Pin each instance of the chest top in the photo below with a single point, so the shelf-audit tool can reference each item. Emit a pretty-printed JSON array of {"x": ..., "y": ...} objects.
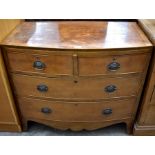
[{"x": 78, "y": 35}]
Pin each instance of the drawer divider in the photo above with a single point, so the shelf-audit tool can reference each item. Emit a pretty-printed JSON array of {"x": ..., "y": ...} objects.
[{"x": 75, "y": 65}]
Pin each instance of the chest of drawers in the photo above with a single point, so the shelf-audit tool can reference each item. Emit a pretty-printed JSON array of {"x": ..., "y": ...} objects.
[{"x": 77, "y": 75}]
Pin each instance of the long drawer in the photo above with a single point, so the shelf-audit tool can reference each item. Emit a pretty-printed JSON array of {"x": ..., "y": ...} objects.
[
  {"x": 83, "y": 88},
  {"x": 51, "y": 63},
  {"x": 77, "y": 111}
]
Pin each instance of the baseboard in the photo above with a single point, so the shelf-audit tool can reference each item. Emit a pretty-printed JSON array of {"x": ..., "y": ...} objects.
[{"x": 143, "y": 130}]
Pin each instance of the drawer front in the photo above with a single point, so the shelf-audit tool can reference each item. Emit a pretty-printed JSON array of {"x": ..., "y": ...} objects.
[
  {"x": 47, "y": 64},
  {"x": 75, "y": 111},
  {"x": 122, "y": 64},
  {"x": 85, "y": 88}
]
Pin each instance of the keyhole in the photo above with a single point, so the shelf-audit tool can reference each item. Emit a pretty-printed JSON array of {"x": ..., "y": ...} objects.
[
  {"x": 75, "y": 81},
  {"x": 36, "y": 57},
  {"x": 114, "y": 59}
]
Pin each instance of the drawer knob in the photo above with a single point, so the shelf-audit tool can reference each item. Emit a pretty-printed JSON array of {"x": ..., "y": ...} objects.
[
  {"x": 46, "y": 110},
  {"x": 39, "y": 65},
  {"x": 107, "y": 111},
  {"x": 110, "y": 88},
  {"x": 42, "y": 88},
  {"x": 113, "y": 66}
]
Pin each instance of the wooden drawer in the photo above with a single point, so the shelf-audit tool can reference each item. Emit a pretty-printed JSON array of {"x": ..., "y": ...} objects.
[
  {"x": 76, "y": 111},
  {"x": 84, "y": 88},
  {"x": 116, "y": 64},
  {"x": 33, "y": 62}
]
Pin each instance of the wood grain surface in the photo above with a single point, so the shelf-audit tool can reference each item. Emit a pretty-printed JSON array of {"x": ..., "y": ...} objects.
[{"x": 78, "y": 35}]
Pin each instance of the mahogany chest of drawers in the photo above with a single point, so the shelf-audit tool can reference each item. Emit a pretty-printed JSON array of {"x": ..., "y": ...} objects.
[{"x": 77, "y": 75}]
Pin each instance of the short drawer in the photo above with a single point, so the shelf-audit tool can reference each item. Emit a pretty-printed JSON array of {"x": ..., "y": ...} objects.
[
  {"x": 84, "y": 88},
  {"x": 77, "y": 111},
  {"x": 116, "y": 64},
  {"x": 47, "y": 64}
]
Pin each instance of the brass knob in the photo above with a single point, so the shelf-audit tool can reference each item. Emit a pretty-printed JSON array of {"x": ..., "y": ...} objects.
[
  {"x": 39, "y": 65},
  {"x": 113, "y": 66},
  {"x": 42, "y": 88},
  {"x": 107, "y": 111},
  {"x": 46, "y": 110},
  {"x": 110, "y": 88}
]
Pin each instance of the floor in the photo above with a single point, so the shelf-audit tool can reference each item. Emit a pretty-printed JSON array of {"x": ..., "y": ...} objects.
[{"x": 42, "y": 130}]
